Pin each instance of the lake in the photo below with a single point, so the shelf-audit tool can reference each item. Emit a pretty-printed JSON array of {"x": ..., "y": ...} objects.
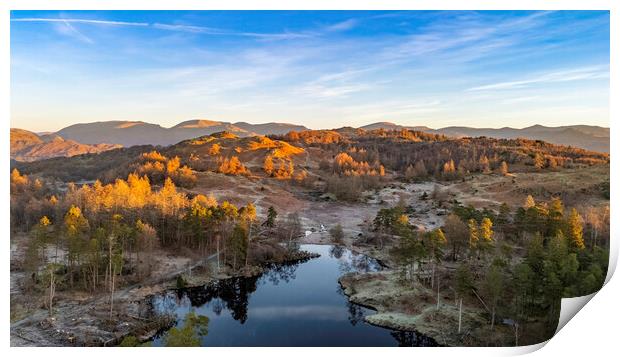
[{"x": 289, "y": 305}]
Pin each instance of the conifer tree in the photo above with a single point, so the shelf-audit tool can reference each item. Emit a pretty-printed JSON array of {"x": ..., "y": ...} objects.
[
  {"x": 493, "y": 288},
  {"x": 268, "y": 165},
  {"x": 529, "y": 202},
  {"x": 575, "y": 230},
  {"x": 272, "y": 214}
]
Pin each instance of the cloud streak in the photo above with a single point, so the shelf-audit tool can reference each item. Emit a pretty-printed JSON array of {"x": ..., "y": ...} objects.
[
  {"x": 71, "y": 31},
  {"x": 81, "y": 21},
  {"x": 578, "y": 74},
  {"x": 191, "y": 29},
  {"x": 342, "y": 26},
  {"x": 221, "y": 32}
]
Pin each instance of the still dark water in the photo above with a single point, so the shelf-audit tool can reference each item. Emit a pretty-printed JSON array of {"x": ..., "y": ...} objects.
[{"x": 291, "y": 305}]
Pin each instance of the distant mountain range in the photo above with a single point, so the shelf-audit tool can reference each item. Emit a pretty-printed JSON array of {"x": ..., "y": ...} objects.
[
  {"x": 100, "y": 136},
  {"x": 588, "y": 137},
  {"x": 130, "y": 133},
  {"x": 28, "y": 146}
]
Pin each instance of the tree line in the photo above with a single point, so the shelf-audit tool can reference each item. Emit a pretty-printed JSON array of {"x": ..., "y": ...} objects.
[{"x": 517, "y": 264}]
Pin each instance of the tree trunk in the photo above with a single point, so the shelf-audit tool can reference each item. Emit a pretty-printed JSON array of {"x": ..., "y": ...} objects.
[
  {"x": 218, "y": 253},
  {"x": 516, "y": 334},
  {"x": 247, "y": 249},
  {"x": 460, "y": 313},
  {"x": 112, "y": 295},
  {"x": 56, "y": 253},
  {"x": 111, "y": 277},
  {"x": 493, "y": 318},
  {"x": 52, "y": 288},
  {"x": 437, "y": 294}
]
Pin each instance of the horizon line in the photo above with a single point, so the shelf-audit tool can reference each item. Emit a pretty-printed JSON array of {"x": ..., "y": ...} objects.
[{"x": 42, "y": 132}]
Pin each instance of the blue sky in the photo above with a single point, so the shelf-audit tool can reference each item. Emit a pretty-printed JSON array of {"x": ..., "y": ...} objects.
[{"x": 322, "y": 69}]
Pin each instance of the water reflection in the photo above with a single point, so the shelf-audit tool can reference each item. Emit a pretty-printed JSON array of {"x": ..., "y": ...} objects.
[
  {"x": 289, "y": 305},
  {"x": 412, "y": 339}
]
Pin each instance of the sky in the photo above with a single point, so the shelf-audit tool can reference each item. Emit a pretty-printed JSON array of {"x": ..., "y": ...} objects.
[{"x": 322, "y": 69}]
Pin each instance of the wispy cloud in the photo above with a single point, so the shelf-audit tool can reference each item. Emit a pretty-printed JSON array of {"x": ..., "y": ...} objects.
[
  {"x": 82, "y": 21},
  {"x": 342, "y": 26},
  {"x": 464, "y": 38},
  {"x": 577, "y": 74},
  {"x": 336, "y": 84},
  {"x": 67, "y": 29},
  {"x": 337, "y": 91},
  {"x": 285, "y": 35},
  {"x": 279, "y": 36},
  {"x": 216, "y": 31},
  {"x": 192, "y": 29}
]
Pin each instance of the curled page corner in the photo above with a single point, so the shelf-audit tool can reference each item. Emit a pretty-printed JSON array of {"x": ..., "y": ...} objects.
[
  {"x": 571, "y": 306},
  {"x": 613, "y": 261}
]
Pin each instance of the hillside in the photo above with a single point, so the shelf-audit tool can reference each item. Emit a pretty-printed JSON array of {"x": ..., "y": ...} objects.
[
  {"x": 28, "y": 146},
  {"x": 356, "y": 153},
  {"x": 130, "y": 133}
]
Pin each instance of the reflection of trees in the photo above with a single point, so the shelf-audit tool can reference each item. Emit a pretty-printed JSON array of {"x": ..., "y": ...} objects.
[
  {"x": 167, "y": 305},
  {"x": 412, "y": 339},
  {"x": 364, "y": 263},
  {"x": 279, "y": 273},
  {"x": 358, "y": 263},
  {"x": 356, "y": 313},
  {"x": 336, "y": 251},
  {"x": 233, "y": 293},
  {"x": 217, "y": 307}
]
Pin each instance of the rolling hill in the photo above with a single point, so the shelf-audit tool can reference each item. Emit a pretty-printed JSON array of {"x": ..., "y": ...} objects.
[{"x": 28, "y": 146}]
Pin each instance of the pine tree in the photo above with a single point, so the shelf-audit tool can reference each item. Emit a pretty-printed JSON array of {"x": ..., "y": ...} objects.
[
  {"x": 195, "y": 327},
  {"x": 493, "y": 288},
  {"x": 76, "y": 228},
  {"x": 436, "y": 240},
  {"x": 529, "y": 202},
  {"x": 538, "y": 161},
  {"x": 486, "y": 230},
  {"x": 214, "y": 149},
  {"x": 336, "y": 233},
  {"x": 268, "y": 165},
  {"x": 575, "y": 230},
  {"x": 34, "y": 256},
  {"x": 485, "y": 234},
  {"x": 272, "y": 214},
  {"x": 556, "y": 215}
]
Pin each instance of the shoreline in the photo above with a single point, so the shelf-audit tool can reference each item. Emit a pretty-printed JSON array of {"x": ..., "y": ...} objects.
[{"x": 64, "y": 329}]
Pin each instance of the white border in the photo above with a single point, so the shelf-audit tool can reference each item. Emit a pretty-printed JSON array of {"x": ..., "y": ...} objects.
[{"x": 590, "y": 332}]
